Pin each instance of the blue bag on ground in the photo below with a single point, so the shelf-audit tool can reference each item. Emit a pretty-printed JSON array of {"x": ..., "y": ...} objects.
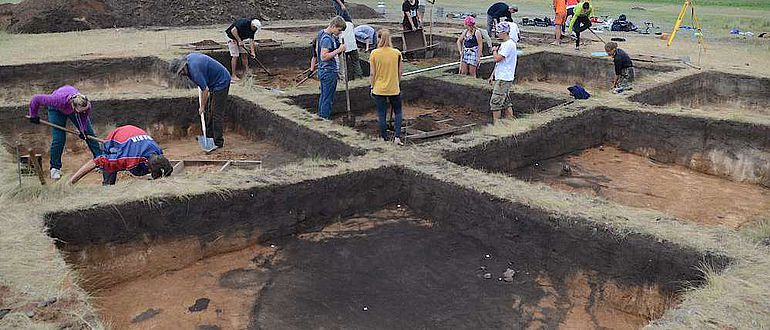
[{"x": 578, "y": 92}]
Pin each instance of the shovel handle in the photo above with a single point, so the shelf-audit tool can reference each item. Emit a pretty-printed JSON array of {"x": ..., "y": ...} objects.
[
  {"x": 258, "y": 61},
  {"x": 70, "y": 131}
]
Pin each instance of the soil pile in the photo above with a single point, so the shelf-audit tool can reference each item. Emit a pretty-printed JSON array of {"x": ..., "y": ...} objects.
[{"x": 41, "y": 16}]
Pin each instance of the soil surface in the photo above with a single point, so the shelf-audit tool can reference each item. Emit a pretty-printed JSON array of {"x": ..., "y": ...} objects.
[
  {"x": 41, "y": 16},
  {"x": 282, "y": 78},
  {"x": 421, "y": 115},
  {"x": 637, "y": 181},
  {"x": 389, "y": 267}
]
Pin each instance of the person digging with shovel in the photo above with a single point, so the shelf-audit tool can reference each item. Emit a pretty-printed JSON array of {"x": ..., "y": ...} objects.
[
  {"x": 213, "y": 82},
  {"x": 242, "y": 29},
  {"x": 127, "y": 148},
  {"x": 64, "y": 103}
]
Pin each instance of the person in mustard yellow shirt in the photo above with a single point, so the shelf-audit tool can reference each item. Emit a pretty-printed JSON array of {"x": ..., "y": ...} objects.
[{"x": 386, "y": 70}]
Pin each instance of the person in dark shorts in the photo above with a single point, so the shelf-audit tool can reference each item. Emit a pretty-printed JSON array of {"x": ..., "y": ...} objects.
[
  {"x": 624, "y": 68},
  {"x": 581, "y": 21},
  {"x": 412, "y": 15}
]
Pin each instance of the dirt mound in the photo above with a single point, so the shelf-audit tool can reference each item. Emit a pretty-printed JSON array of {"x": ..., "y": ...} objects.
[{"x": 41, "y": 16}]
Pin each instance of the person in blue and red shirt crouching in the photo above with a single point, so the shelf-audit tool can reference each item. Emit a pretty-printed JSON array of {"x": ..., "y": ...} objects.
[{"x": 128, "y": 148}]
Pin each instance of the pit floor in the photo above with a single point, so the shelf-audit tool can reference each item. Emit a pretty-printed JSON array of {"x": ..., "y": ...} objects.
[
  {"x": 427, "y": 112},
  {"x": 637, "y": 181},
  {"x": 388, "y": 268},
  {"x": 237, "y": 147}
]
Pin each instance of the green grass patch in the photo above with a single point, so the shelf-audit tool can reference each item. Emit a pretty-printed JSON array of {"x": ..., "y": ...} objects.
[{"x": 750, "y": 4}]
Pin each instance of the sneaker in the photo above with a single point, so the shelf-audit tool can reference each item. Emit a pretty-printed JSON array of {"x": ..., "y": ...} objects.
[
  {"x": 397, "y": 141},
  {"x": 55, "y": 173}
]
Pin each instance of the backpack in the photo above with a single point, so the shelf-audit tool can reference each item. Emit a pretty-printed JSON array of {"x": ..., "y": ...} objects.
[
  {"x": 578, "y": 92},
  {"x": 622, "y": 24}
]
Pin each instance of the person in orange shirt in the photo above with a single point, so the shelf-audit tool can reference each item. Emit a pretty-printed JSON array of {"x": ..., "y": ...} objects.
[{"x": 560, "y": 7}]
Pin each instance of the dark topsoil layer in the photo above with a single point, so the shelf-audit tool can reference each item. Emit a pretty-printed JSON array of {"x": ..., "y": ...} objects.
[
  {"x": 672, "y": 139},
  {"x": 42, "y": 16},
  {"x": 711, "y": 87},
  {"x": 56, "y": 74},
  {"x": 570, "y": 69},
  {"x": 398, "y": 270},
  {"x": 439, "y": 92},
  {"x": 179, "y": 113}
]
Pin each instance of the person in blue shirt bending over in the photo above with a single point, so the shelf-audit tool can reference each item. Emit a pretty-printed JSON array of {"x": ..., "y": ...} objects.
[{"x": 213, "y": 82}]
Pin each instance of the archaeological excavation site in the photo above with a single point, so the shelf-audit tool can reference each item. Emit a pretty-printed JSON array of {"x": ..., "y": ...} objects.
[{"x": 623, "y": 211}]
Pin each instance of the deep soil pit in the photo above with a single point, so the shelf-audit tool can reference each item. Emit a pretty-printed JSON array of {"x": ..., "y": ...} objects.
[
  {"x": 555, "y": 72},
  {"x": 251, "y": 133},
  {"x": 428, "y": 105},
  {"x": 705, "y": 171},
  {"x": 712, "y": 91},
  {"x": 389, "y": 247},
  {"x": 139, "y": 75}
]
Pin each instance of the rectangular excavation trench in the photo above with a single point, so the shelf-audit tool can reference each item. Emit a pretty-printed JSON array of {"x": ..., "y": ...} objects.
[
  {"x": 284, "y": 63},
  {"x": 388, "y": 247},
  {"x": 554, "y": 72},
  {"x": 429, "y": 105},
  {"x": 251, "y": 132},
  {"x": 135, "y": 75},
  {"x": 712, "y": 91},
  {"x": 701, "y": 170}
]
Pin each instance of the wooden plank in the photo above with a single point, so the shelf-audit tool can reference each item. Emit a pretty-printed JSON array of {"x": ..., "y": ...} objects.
[
  {"x": 444, "y": 121},
  {"x": 224, "y": 166},
  {"x": 37, "y": 167},
  {"x": 415, "y": 131},
  {"x": 441, "y": 132},
  {"x": 419, "y": 49}
]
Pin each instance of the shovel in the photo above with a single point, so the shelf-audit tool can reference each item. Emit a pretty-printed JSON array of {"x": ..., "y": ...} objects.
[
  {"x": 258, "y": 62},
  {"x": 206, "y": 143},
  {"x": 73, "y": 132},
  {"x": 349, "y": 119}
]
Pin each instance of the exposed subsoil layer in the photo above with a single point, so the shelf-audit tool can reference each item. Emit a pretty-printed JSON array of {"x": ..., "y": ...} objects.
[
  {"x": 596, "y": 74},
  {"x": 41, "y": 16},
  {"x": 460, "y": 257},
  {"x": 386, "y": 267},
  {"x": 638, "y": 181},
  {"x": 712, "y": 91},
  {"x": 668, "y": 163},
  {"x": 138, "y": 75}
]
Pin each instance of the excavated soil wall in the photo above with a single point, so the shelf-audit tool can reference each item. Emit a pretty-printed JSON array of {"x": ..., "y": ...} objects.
[
  {"x": 733, "y": 150},
  {"x": 710, "y": 89},
  {"x": 176, "y": 116},
  {"x": 570, "y": 69},
  {"x": 558, "y": 262},
  {"x": 441, "y": 93},
  {"x": 21, "y": 81}
]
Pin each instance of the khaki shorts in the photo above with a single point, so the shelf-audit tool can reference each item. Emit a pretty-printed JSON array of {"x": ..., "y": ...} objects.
[
  {"x": 232, "y": 46},
  {"x": 501, "y": 99}
]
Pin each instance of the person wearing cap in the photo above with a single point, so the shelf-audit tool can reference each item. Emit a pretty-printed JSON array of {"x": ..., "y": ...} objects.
[
  {"x": 64, "y": 103},
  {"x": 128, "y": 148},
  {"x": 412, "y": 17},
  {"x": 496, "y": 12},
  {"x": 366, "y": 35},
  {"x": 241, "y": 30},
  {"x": 504, "y": 73},
  {"x": 341, "y": 10},
  {"x": 213, "y": 81},
  {"x": 327, "y": 48},
  {"x": 353, "y": 69},
  {"x": 470, "y": 44}
]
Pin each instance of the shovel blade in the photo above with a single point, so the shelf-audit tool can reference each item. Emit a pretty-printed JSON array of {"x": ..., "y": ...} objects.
[{"x": 206, "y": 143}]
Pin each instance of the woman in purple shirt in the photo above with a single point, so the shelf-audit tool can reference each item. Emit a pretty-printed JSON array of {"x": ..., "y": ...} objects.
[{"x": 64, "y": 103}]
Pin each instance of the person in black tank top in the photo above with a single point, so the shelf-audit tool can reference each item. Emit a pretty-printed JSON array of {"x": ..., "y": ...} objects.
[{"x": 470, "y": 45}]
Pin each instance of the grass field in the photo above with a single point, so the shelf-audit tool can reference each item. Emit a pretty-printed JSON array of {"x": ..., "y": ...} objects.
[{"x": 717, "y": 16}]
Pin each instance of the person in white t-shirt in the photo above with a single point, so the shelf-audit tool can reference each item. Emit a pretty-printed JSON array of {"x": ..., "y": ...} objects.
[
  {"x": 502, "y": 77},
  {"x": 351, "y": 52}
]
